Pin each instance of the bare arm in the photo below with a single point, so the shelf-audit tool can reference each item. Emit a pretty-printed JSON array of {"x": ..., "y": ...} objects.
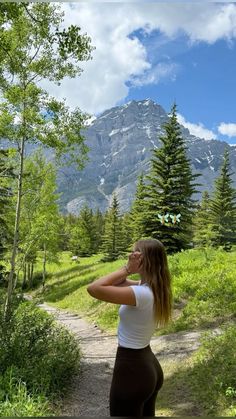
[
  {"x": 127, "y": 282},
  {"x": 113, "y": 288}
]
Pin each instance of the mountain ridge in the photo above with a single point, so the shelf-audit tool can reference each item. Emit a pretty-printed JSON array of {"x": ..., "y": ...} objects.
[{"x": 121, "y": 140}]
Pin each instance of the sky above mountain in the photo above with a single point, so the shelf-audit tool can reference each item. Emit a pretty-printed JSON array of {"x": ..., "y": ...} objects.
[{"x": 168, "y": 51}]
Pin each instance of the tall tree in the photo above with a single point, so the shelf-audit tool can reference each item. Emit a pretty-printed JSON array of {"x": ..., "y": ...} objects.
[
  {"x": 170, "y": 189},
  {"x": 33, "y": 47},
  {"x": 74, "y": 236},
  {"x": 127, "y": 232},
  {"x": 113, "y": 243},
  {"x": 98, "y": 218},
  {"x": 40, "y": 220},
  {"x": 223, "y": 208},
  {"x": 202, "y": 227},
  {"x": 138, "y": 210},
  {"x": 86, "y": 231}
]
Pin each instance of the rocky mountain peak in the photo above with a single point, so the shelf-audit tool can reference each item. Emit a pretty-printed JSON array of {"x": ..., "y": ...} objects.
[{"x": 121, "y": 141}]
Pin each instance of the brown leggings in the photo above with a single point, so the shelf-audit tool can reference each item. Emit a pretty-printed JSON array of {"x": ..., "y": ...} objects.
[{"x": 137, "y": 378}]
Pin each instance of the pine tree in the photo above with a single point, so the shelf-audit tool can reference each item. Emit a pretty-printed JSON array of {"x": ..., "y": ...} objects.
[
  {"x": 202, "y": 226},
  {"x": 170, "y": 189},
  {"x": 127, "y": 231},
  {"x": 99, "y": 221},
  {"x": 69, "y": 222},
  {"x": 138, "y": 210},
  {"x": 113, "y": 245},
  {"x": 223, "y": 208},
  {"x": 86, "y": 232}
]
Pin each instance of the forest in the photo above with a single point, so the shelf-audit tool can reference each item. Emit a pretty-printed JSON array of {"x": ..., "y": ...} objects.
[{"x": 53, "y": 256}]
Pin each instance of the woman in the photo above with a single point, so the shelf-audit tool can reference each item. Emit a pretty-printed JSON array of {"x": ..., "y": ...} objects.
[{"x": 137, "y": 375}]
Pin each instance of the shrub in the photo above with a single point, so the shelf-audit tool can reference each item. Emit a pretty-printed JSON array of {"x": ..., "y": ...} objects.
[{"x": 43, "y": 354}]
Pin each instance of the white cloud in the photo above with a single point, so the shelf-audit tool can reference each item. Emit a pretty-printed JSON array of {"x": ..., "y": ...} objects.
[
  {"x": 227, "y": 129},
  {"x": 156, "y": 73},
  {"x": 118, "y": 59},
  {"x": 196, "y": 129}
]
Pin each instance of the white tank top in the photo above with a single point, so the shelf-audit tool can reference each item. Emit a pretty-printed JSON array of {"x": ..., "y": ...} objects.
[{"x": 137, "y": 323}]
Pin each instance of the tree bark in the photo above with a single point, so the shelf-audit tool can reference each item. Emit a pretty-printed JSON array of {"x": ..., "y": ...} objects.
[
  {"x": 24, "y": 277},
  {"x": 28, "y": 272},
  {"x": 7, "y": 308},
  {"x": 44, "y": 264},
  {"x": 31, "y": 270}
]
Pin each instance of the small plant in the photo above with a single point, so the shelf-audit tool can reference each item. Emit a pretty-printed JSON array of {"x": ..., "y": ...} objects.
[{"x": 15, "y": 400}]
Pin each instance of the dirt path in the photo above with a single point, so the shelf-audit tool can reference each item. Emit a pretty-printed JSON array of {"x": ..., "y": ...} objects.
[{"x": 90, "y": 389}]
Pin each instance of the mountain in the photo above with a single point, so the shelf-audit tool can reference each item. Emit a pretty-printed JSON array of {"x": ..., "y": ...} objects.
[{"x": 121, "y": 140}]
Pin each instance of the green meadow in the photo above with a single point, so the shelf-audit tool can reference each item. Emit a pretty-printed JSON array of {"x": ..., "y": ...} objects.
[{"x": 204, "y": 286}]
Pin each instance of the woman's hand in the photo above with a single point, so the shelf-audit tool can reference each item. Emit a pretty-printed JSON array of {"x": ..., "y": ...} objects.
[{"x": 135, "y": 262}]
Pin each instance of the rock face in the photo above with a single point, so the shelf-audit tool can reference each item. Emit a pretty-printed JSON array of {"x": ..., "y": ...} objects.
[{"x": 121, "y": 142}]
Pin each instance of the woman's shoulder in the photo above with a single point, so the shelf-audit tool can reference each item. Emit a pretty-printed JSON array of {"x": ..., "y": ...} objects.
[{"x": 143, "y": 294}]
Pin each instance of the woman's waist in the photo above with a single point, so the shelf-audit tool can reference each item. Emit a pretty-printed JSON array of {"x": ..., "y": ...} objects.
[{"x": 125, "y": 352}]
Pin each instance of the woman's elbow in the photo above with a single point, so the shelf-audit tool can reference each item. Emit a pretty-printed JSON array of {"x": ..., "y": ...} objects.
[{"x": 91, "y": 290}]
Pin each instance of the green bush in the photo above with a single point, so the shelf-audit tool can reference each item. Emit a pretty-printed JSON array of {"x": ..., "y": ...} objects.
[
  {"x": 42, "y": 354},
  {"x": 214, "y": 372}
]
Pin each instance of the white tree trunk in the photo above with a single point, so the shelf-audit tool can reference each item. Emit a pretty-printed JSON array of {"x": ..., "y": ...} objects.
[
  {"x": 16, "y": 235},
  {"x": 44, "y": 264}
]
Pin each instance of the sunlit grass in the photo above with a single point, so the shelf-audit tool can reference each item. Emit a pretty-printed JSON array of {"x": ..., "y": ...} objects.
[
  {"x": 203, "y": 384},
  {"x": 205, "y": 286},
  {"x": 66, "y": 288}
]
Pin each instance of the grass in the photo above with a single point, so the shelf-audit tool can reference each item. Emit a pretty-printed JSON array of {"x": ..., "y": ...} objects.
[
  {"x": 204, "y": 384},
  {"x": 66, "y": 288},
  {"x": 21, "y": 403},
  {"x": 205, "y": 287}
]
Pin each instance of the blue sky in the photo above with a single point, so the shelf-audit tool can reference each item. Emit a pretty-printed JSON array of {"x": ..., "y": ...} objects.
[
  {"x": 183, "y": 52},
  {"x": 204, "y": 86}
]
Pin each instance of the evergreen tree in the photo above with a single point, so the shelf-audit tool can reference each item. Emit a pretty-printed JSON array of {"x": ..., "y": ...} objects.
[
  {"x": 138, "y": 211},
  {"x": 223, "y": 208},
  {"x": 69, "y": 221},
  {"x": 202, "y": 227},
  {"x": 127, "y": 231},
  {"x": 170, "y": 189},
  {"x": 113, "y": 245},
  {"x": 86, "y": 232},
  {"x": 99, "y": 226},
  {"x": 73, "y": 234}
]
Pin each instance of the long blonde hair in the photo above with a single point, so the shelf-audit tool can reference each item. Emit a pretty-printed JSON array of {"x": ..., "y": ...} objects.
[{"x": 156, "y": 273}]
